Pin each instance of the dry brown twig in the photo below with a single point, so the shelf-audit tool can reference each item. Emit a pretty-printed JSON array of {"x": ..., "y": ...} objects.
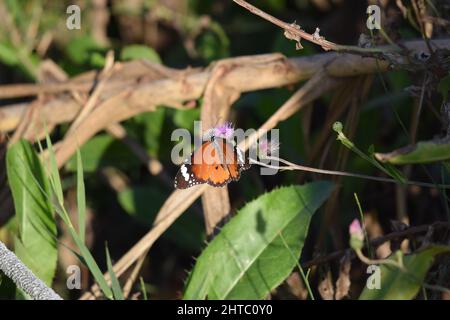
[
  {"x": 293, "y": 31},
  {"x": 93, "y": 99}
]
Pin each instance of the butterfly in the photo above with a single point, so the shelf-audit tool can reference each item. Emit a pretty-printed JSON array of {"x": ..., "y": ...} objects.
[{"x": 217, "y": 162}]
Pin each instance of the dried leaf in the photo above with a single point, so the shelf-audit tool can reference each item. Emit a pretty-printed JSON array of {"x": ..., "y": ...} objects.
[
  {"x": 326, "y": 288},
  {"x": 343, "y": 282}
]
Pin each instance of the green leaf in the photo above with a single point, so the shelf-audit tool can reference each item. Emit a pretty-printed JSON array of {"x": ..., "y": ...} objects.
[
  {"x": 248, "y": 258},
  {"x": 400, "y": 285},
  {"x": 8, "y": 55},
  {"x": 148, "y": 126},
  {"x": 185, "y": 118},
  {"x": 211, "y": 47},
  {"x": 56, "y": 188},
  {"x": 35, "y": 243},
  {"x": 137, "y": 51},
  {"x": 115, "y": 285},
  {"x": 422, "y": 152},
  {"x": 81, "y": 199},
  {"x": 55, "y": 179},
  {"x": 91, "y": 264},
  {"x": 80, "y": 49},
  {"x": 97, "y": 60},
  {"x": 389, "y": 170}
]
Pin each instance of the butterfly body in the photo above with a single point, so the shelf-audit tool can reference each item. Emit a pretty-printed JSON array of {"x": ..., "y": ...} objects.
[{"x": 217, "y": 162}]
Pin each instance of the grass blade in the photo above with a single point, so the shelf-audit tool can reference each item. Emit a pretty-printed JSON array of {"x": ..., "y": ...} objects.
[
  {"x": 117, "y": 290},
  {"x": 81, "y": 199}
]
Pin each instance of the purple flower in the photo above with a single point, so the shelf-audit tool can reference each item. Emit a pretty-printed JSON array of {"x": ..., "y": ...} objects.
[{"x": 225, "y": 130}]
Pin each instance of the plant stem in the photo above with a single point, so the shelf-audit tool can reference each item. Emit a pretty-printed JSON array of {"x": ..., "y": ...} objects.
[
  {"x": 23, "y": 277},
  {"x": 304, "y": 277},
  {"x": 292, "y": 166}
]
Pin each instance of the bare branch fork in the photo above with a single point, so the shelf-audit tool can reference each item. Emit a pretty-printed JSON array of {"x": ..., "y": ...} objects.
[{"x": 23, "y": 277}]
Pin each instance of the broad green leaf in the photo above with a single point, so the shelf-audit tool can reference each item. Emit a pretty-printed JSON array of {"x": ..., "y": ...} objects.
[
  {"x": 422, "y": 152},
  {"x": 248, "y": 258},
  {"x": 35, "y": 243},
  {"x": 399, "y": 285},
  {"x": 187, "y": 231},
  {"x": 81, "y": 199},
  {"x": 115, "y": 285},
  {"x": 137, "y": 51}
]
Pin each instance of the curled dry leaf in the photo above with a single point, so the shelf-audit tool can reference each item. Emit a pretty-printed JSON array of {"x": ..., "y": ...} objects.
[
  {"x": 296, "y": 286},
  {"x": 326, "y": 288},
  {"x": 343, "y": 282},
  {"x": 292, "y": 36}
]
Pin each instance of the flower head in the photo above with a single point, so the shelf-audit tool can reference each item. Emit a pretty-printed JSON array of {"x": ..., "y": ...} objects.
[{"x": 225, "y": 130}]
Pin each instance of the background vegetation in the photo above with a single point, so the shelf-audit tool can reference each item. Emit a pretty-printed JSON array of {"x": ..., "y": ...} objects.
[{"x": 287, "y": 235}]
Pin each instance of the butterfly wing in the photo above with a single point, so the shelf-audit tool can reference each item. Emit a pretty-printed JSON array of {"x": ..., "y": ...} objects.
[
  {"x": 204, "y": 166},
  {"x": 237, "y": 160},
  {"x": 212, "y": 168},
  {"x": 216, "y": 162},
  {"x": 185, "y": 177}
]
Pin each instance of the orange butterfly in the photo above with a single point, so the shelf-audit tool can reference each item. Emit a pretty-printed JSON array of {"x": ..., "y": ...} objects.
[{"x": 217, "y": 162}]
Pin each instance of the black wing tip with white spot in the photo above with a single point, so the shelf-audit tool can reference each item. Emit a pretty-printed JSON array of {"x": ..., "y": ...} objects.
[{"x": 185, "y": 178}]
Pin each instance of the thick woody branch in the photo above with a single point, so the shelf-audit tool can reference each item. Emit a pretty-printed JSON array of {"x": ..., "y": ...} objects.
[{"x": 178, "y": 86}]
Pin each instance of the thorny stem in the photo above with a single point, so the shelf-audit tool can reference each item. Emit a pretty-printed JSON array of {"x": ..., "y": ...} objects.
[{"x": 292, "y": 166}]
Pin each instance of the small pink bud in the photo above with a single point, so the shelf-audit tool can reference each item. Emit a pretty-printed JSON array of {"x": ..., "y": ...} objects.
[
  {"x": 356, "y": 235},
  {"x": 355, "y": 228}
]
